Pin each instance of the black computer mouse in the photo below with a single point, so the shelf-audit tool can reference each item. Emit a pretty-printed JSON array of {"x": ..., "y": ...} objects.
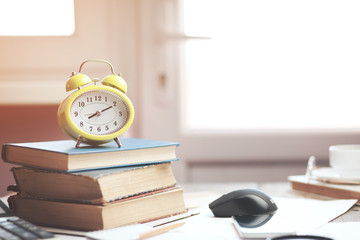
[{"x": 243, "y": 202}]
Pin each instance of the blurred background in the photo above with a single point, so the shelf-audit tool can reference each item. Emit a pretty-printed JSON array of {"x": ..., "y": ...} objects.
[{"x": 250, "y": 89}]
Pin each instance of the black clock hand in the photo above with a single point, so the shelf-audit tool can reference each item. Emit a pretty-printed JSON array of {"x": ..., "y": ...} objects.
[
  {"x": 95, "y": 114},
  {"x": 98, "y": 113},
  {"x": 106, "y": 109}
]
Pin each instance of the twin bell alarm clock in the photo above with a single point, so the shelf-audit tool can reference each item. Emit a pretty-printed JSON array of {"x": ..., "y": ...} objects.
[{"x": 96, "y": 112}]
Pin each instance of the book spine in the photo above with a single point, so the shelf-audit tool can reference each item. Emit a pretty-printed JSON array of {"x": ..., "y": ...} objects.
[
  {"x": 325, "y": 191},
  {"x": 3, "y": 153}
]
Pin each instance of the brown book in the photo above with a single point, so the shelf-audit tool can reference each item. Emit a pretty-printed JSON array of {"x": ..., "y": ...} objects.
[
  {"x": 338, "y": 191},
  {"x": 63, "y": 156},
  {"x": 87, "y": 217},
  {"x": 95, "y": 186}
]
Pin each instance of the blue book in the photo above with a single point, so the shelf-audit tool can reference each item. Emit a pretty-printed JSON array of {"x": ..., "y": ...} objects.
[{"x": 63, "y": 156}]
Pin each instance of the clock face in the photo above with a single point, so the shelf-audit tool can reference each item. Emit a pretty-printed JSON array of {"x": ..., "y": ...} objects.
[{"x": 99, "y": 112}]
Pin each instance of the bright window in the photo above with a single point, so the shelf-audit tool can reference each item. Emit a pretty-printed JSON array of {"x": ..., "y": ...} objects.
[
  {"x": 37, "y": 18},
  {"x": 272, "y": 65}
]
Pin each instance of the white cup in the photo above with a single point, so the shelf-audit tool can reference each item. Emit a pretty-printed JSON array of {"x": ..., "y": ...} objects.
[{"x": 345, "y": 159}]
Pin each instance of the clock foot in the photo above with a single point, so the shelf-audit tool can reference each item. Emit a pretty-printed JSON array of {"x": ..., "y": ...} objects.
[
  {"x": 117, "y": 142},
  {"x": 78, "y": 141}
]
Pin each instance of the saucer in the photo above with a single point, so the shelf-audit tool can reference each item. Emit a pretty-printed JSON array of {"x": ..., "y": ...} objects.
[{"x": 328, "y": 174}]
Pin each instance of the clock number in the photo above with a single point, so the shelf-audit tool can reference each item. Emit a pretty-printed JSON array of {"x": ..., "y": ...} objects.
[
  {"x": 115, "y": 123},
  {"x": 98, "y": 98},
  {"x": 91, "y": 128},
  {"x": 81, "y": 124},
  {"x": 114, "y": 103},
  {"x": 120, "y": 113},
  {"x": 98, "y": 129},
  {"x": 89, "y": 99},
  {"x": 105, "y": 99},
  {"x": 107, "y": 128},
  {"x": 81, "y": 104},
  {"x": 76, "y": 113}
]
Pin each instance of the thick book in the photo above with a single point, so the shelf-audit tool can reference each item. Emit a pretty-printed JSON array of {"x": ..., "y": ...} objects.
[
  {"x": 94, "y": 186},
  {"x": 87, "y": 217},
  {"x": 64, "y": 156},
  {"x": 338, "y": 191}
]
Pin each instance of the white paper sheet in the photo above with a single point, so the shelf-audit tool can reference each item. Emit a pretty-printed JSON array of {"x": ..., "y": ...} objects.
[
  {"x": 305, "y": 215},
  {"x": 340, "y": 230}
]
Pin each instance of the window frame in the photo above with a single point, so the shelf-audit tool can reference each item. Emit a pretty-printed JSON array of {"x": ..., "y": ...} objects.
[
  {"x": 162, "y": 53},
  {"x": 34, "y": 69}
]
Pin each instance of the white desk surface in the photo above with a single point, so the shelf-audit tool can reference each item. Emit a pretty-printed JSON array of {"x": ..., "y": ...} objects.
[
  {"x": 203, "y": 193},
  {"x": 275, "y": 189}
]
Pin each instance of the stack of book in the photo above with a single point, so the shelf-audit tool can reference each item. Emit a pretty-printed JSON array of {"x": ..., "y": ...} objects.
[
  {"x": 325, "y": 188},
  {"x": 93, "y": 188}
]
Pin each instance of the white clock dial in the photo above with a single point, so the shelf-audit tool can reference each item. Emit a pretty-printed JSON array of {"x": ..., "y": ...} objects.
[{"x": 99, "y": 112}]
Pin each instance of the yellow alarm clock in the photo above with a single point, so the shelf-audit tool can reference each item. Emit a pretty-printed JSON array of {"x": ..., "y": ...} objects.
[{"x": 95, "y": 113}]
